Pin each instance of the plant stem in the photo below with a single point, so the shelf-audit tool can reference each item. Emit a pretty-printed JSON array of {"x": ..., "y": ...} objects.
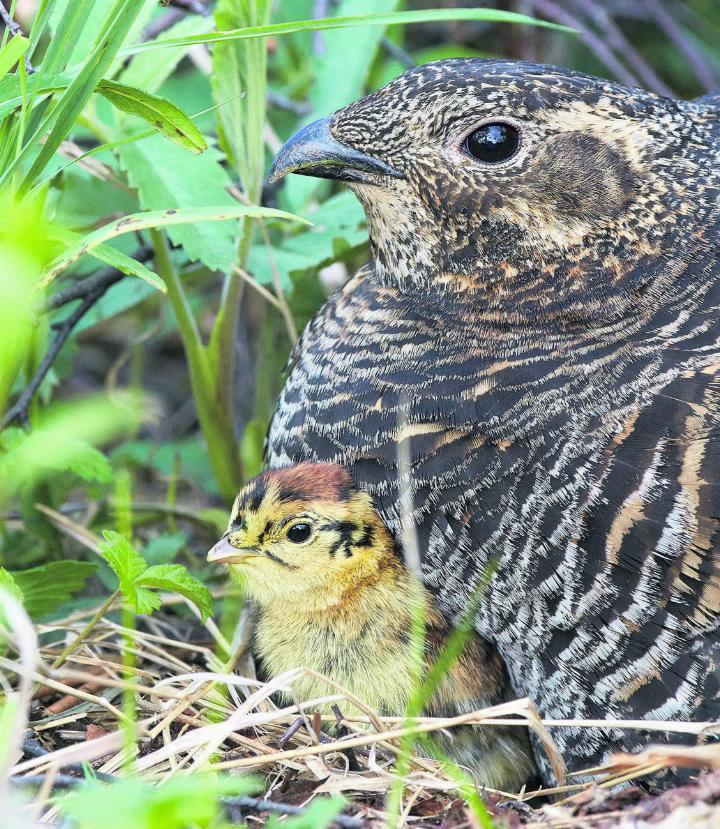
[
  {"x": 211, "y": 389},
  {"x": 75, "y": 644}
]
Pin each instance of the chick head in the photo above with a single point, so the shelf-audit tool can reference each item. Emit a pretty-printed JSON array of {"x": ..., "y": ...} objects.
[{"x": 302, "y": 529}]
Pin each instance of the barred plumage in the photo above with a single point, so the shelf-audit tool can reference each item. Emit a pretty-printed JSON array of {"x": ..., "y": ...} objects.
[{"x": 543, "y": 337}]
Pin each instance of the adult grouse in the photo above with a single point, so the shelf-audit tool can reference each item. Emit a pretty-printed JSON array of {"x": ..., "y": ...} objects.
[{"x": 538, "y": 332}]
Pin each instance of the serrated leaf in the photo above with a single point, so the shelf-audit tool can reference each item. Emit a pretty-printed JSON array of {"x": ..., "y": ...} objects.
[
  {"x": 84, "y": 460},
  {"x": 46, "y": 588},
  {"x": 145, "y": 601},
  {"x": 164, "y": 174},
  {"x": 126, "y": 563},
  {"x": 172, "y": 122},
  {"x": 175, "y": 577}
]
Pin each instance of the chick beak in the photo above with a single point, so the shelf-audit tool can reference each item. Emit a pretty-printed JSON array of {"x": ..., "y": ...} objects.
[
  {"x": 313, "y": 151},
  {"x": 224, "y": 553}
]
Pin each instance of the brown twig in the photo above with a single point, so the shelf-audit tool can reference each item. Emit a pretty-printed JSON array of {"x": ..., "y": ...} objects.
[
  {"x": 675, "y": 33},
  {"x": 556, "y": 13}
]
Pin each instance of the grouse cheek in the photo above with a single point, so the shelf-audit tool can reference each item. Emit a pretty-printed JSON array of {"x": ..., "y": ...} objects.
[{"x": 581, "y": 177}]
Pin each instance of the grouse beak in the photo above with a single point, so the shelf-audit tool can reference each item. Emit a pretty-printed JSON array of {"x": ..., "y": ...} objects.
[
  {"x": 224, "y": 553},
  {"x": 312, "y": 151}
]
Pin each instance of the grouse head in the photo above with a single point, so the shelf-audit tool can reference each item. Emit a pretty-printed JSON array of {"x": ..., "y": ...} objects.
[{"x": 543, "y": 190}]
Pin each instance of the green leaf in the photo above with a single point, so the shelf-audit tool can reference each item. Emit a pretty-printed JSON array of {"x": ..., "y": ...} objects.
[
  {"x": 61, "y": 441},
  {"x": 175, "y": 577},
  {"x": 8, "y": 583},
  {"x": 12, "y": 52},
  {"x": 135, "y": 222},
  {"x": 318, "y": 815},
  {"x": 324, "y": 23},
  {"x": 46, "y": 588},
  {"x": 164, "y": 174},
  {"x": 338, "y": 225},
  {"x": 125, "y": 562},
  {"x": 113, "y": 257},
  {"x": 164, "y": 548},
  {"x": 84, "y": 460},
  {"x": 169, "y": 119},
  {"x": 70, "y": 455},
  {"x": 177, "y": 804}
]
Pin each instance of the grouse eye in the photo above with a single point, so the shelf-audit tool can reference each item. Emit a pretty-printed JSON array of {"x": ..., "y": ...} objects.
[
  {"x": 493, "y": 142},
  {"x": 299, "y": 532}
]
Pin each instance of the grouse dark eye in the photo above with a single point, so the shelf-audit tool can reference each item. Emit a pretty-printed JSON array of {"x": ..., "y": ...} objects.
[
  {"x": 299, "y": 532},
  {"x": 493, "y": 142}
]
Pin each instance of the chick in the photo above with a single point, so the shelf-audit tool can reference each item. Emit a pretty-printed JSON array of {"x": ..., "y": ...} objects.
[{"x": 332, "y": 594}]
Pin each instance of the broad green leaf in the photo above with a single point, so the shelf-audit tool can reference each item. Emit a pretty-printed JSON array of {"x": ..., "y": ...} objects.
[
  {"x": 115, "y": 258},
  {"x": 169, "y": 119},
  {"x": 69, "y": 455},
  {"x": 10, "y": 94},
  {"x": 324, "y": 23},
  {"x": 12, "y": 52},
  {"x": 9, "y": 585},
  {"x": 338, "y": 228},
  {"x": 46, "y": 588},
  {"x": 125, "y": 561},
  {"x": 160, "y": 218},
  {"x": 176, "y": 578},
  {"x": 164, "y": 174}
]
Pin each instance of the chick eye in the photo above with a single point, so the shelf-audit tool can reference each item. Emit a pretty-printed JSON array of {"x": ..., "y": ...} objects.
[
  {"x": 299, "y": 532},
  {"x": 493, "y": 142}
]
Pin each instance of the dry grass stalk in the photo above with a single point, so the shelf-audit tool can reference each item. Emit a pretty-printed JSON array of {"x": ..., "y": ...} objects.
[{"x": 195, "y": 714}]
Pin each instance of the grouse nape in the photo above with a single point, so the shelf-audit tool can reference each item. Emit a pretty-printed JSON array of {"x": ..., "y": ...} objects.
[{"x": 538, "y": 331}]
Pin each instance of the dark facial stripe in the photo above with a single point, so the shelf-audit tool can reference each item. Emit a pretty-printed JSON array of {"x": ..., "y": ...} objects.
[
  {"x": 279, "y": 561},
  {"x": 265, "y": 531}
]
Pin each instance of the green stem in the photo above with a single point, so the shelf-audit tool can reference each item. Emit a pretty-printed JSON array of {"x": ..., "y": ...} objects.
[
  {"x": 75, "y": 644},
  {"x": 214, "y": 411},
  {"x": 129, "y": 675}
]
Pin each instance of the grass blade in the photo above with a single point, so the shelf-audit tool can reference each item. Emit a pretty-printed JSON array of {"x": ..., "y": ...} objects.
[
  {"x": 159, "y": 218},
  {"x": 12, "y": 52},
  {"x": 395, "y": 19},
  {"x": 70, "y": 105}
]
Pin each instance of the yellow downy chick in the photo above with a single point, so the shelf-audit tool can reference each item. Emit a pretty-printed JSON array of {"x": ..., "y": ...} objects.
[{"x": 332, "y": 594}]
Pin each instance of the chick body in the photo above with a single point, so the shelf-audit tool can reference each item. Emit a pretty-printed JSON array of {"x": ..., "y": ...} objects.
[{"x": 341, "y": 602}]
